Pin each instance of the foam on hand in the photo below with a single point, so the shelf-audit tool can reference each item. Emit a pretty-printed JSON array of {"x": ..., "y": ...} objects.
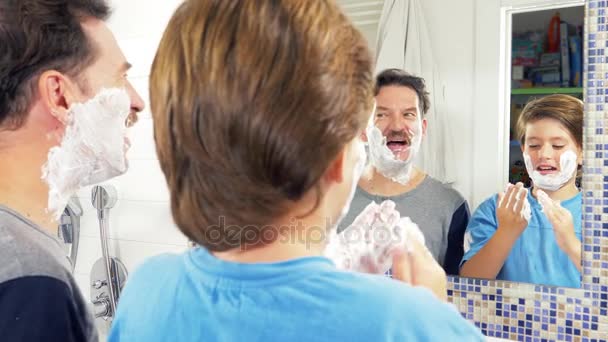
[
  {"x": 526, "y": 210},
  {"x": 545, "y": 201},
  {"x": 368, "y": 244}
]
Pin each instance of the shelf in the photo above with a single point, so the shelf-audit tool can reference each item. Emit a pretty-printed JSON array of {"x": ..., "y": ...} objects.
[{"x": 546, "y": 91}]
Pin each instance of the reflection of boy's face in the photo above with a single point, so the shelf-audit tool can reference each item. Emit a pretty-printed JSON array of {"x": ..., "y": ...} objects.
[
  {"x": 399, "y": 119},
  {"x": 546, "y": 140}
]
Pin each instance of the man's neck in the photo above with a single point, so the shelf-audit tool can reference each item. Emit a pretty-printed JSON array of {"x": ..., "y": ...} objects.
[
  {"x": 23, "y": 190},
  {"x": 375, "y": 183}
]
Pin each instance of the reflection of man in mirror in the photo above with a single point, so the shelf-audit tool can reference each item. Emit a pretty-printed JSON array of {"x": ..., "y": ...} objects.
[
  {"x": 535, "y": 236},
  {"x": 63, "y": 91},
  {"x": 394, "y": 139}
]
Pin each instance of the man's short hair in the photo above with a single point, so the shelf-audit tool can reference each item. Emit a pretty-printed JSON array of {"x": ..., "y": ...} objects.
[
  {"x": 398, "y": 77},
  {"x": 40, "y": 35}
]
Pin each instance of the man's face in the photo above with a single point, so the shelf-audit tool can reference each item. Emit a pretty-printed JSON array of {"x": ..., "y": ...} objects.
[
  {"x": 399, "y": 118},
  {"x": 110, "y": 68}
]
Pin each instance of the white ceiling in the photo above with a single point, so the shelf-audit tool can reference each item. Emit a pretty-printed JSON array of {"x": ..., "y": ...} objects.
[{"x": 363, "y": 12}]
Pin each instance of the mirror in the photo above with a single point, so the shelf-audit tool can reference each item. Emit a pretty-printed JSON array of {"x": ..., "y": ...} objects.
[{"x": 479, "y": 83}]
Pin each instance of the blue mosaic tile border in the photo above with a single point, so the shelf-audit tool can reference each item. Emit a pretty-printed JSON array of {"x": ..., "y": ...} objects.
[{"x": 527, "y": 312}]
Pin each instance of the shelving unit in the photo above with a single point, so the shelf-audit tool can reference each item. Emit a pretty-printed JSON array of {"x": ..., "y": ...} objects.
[
  {"x": 546, "y": 91},
  {"x": 525, "y": 22}
]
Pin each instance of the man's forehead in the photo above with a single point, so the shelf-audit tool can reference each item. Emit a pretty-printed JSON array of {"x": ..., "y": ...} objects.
[
  {"x": 105, "y": 42},
  {"x": 397, "y": 97}
]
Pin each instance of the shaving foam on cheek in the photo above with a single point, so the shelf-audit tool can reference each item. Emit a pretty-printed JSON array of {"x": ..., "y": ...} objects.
[
  {"x": 553, "y": 182},
  {"x": 92, "y": 149},
  {"x": 383, "y": 159}
]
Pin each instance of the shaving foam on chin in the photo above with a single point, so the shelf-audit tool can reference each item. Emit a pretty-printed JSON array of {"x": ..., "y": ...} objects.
[
  {"x": 384, "y": 160},
  {"x": 556, "y": 181},
  {"x": 92, "y": 149}
]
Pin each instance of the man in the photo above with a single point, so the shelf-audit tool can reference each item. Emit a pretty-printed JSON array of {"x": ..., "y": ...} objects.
[
  {"x": 441, "y": 212},
  {"x": 56, "y": 57}
]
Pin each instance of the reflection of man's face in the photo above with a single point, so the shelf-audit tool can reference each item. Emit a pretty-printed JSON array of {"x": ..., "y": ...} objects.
[
  {"x": 109, "y": 70},
  {"x": 399, "y": 119}
]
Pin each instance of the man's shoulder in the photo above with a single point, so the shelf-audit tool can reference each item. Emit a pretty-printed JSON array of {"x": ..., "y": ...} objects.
[
  {"x": 26, "y": 251},
  {"x": 442, "y": 190}
]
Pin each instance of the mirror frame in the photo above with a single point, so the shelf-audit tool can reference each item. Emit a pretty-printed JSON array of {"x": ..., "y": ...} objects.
[{"x": 531, "y": 312}]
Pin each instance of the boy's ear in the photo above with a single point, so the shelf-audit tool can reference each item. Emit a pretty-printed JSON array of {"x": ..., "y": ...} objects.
[{"x": 335, "y": 171}]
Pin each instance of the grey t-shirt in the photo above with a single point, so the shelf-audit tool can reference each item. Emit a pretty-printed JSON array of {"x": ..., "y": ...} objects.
[
  {"x": 39, "y": 298},
  {"x": 440, "y": 211}
]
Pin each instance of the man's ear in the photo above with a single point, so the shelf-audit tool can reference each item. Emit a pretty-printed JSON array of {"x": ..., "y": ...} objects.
[
  {"x": 55, "y": 93},
  {"x": 424, "y": 125}
]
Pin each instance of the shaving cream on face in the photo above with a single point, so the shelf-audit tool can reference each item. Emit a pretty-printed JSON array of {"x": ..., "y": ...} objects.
[
  {"x": 92, "y": 149},
  {"x": 556, "y": 181},
  {"x": 384, "y": 160}
]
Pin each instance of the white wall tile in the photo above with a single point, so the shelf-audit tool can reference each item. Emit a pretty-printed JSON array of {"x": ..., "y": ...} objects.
[
  {"x": 136, "y": 221},
  {"x": 140, "y": 52},
  {"x": 89, "y": 250},
  {"x": 136, "y": 17},
  {"x": 142, "y": 141},
  {"x": 83, "y": 281},
  {"x": 144, "y": 181},
  {"x": 131, "y": 253}
]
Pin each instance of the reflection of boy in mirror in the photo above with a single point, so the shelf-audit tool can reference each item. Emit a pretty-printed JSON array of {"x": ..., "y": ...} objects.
[
  {"x": 399, "y": 126},
  {"x": 544, "y": 245}
]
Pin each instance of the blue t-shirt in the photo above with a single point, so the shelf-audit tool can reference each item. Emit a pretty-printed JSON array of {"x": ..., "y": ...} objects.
[
  {"x": 535, "y": 257},
  {"x": 197, "y": 297}
]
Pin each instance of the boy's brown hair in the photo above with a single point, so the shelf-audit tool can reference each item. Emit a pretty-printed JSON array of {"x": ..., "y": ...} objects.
[{"x": 252, "y": 101}]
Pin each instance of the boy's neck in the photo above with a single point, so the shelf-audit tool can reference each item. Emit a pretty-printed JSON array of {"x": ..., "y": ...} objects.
[
  {"x": 306, "y": 238},
  {"x": 566, "y": 192}
]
